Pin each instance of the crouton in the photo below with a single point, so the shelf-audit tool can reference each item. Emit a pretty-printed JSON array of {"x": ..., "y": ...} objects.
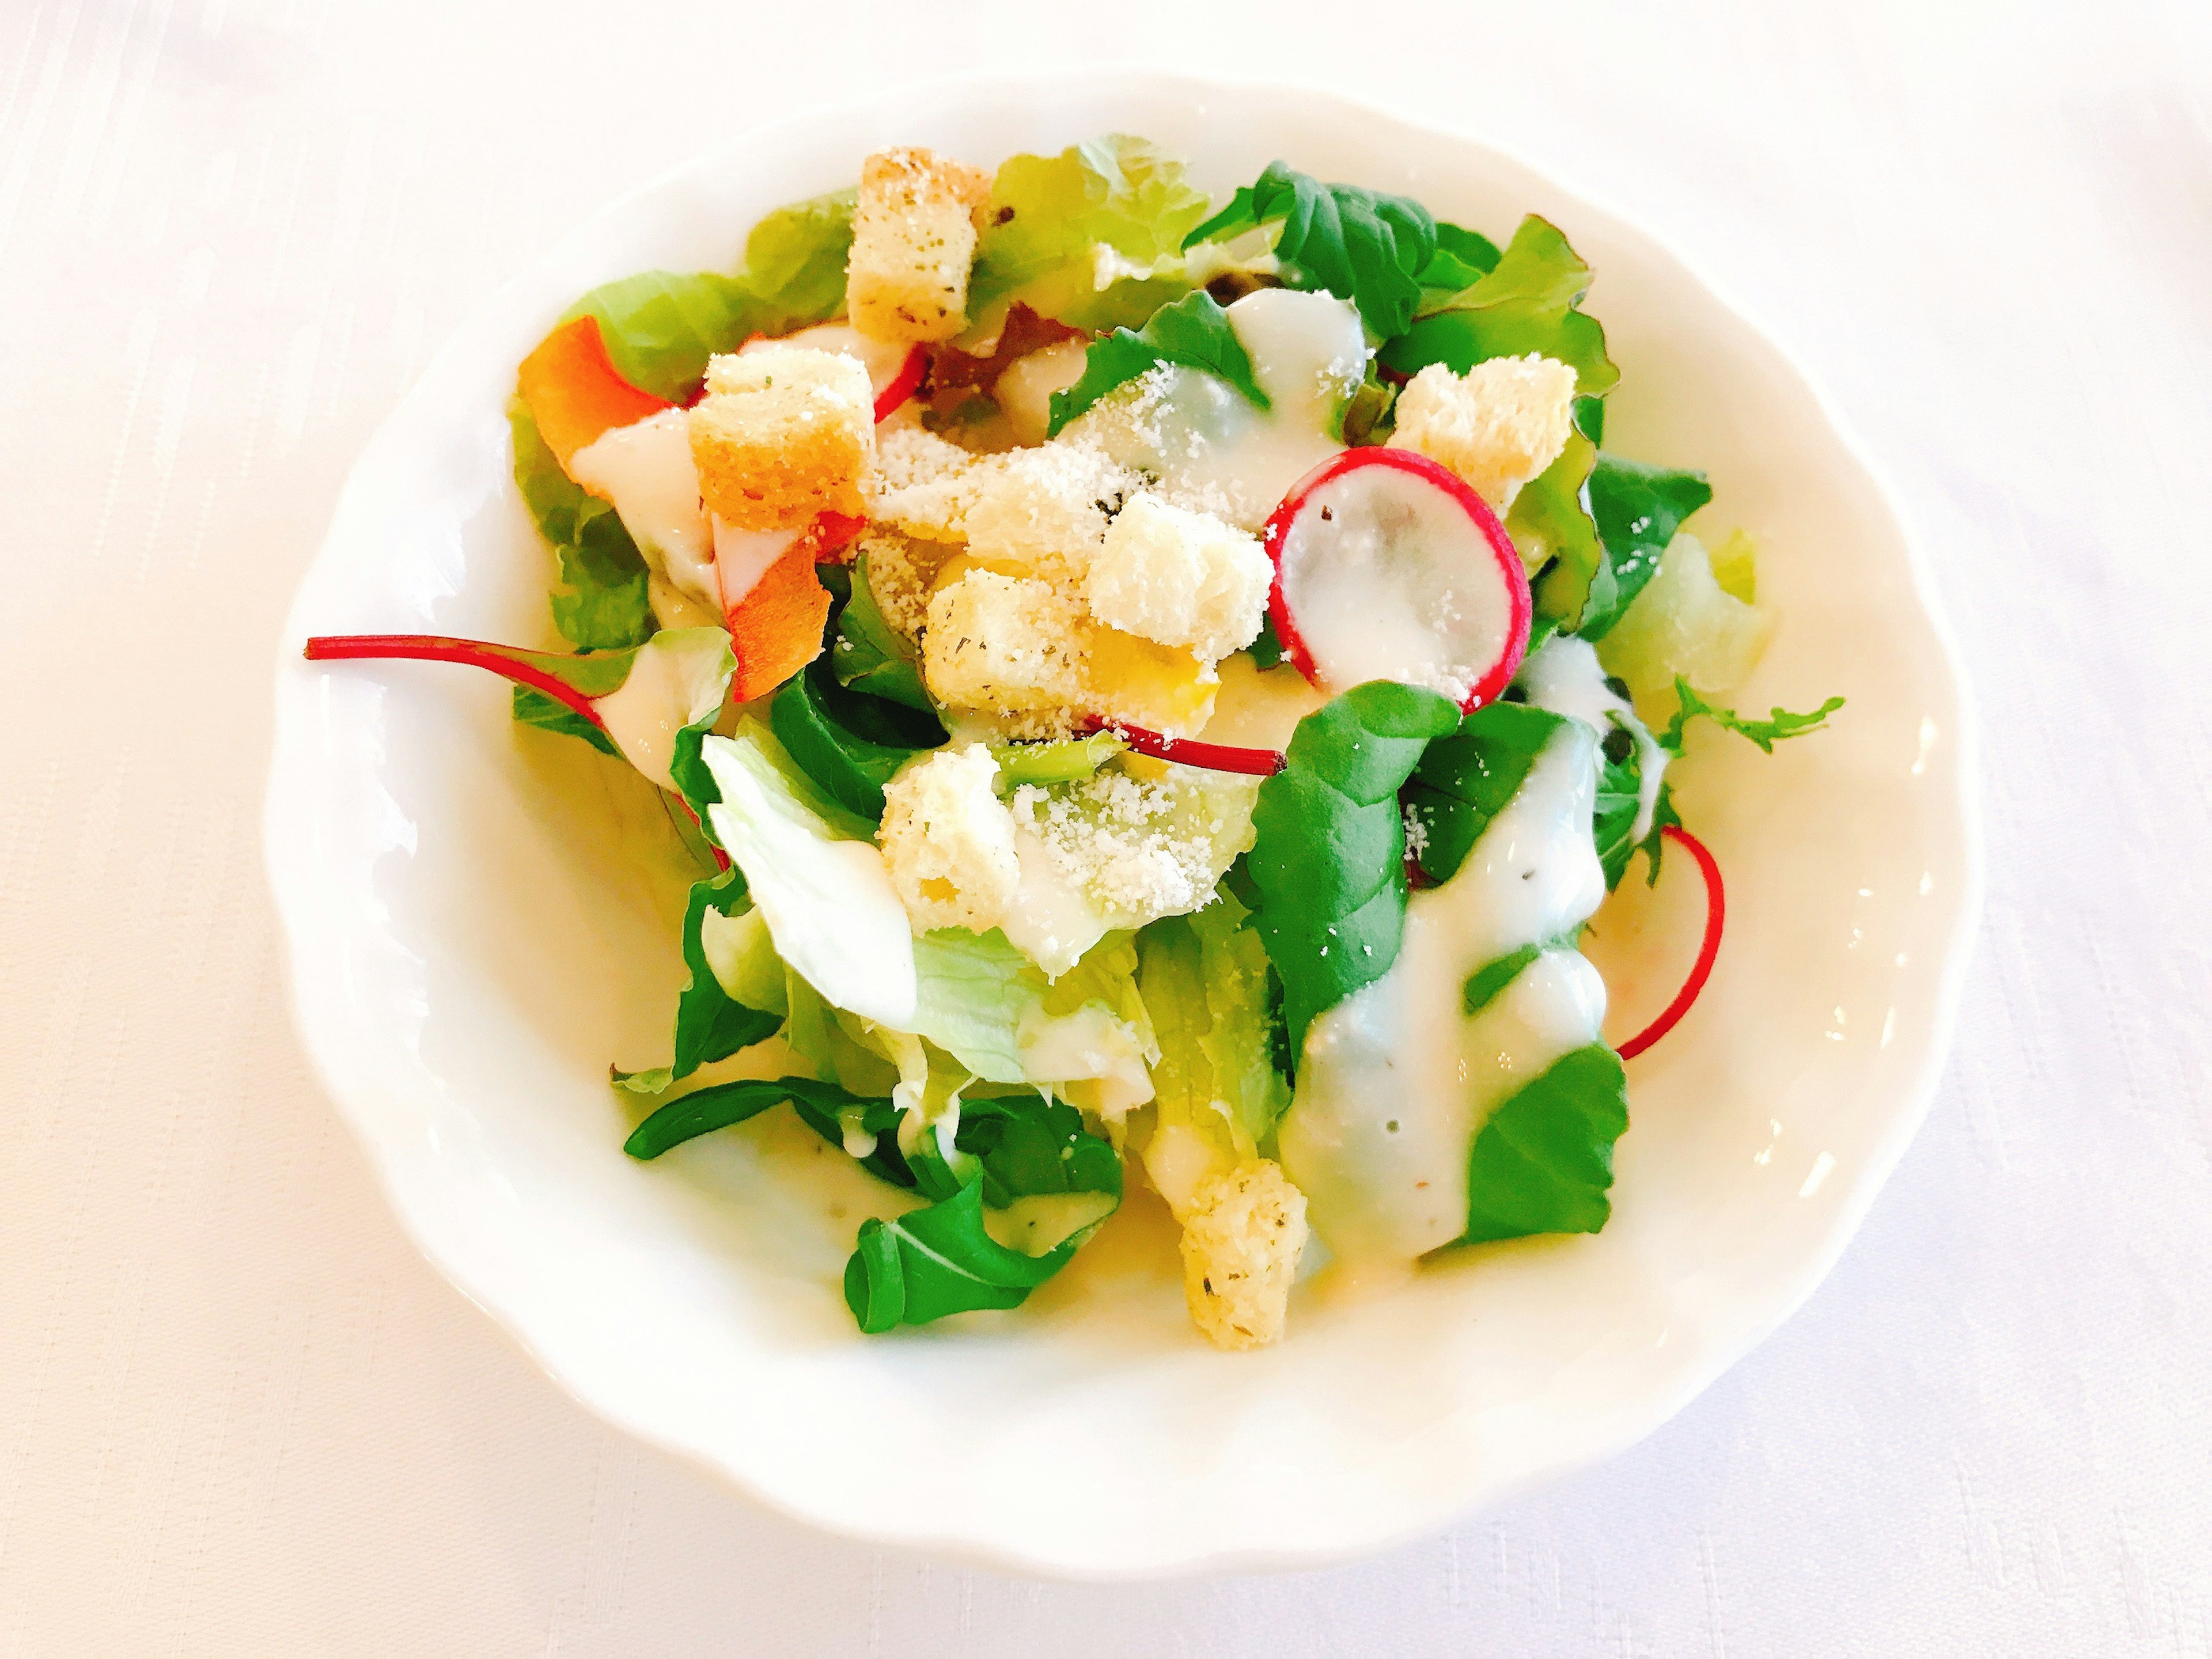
[
  {"x": 1497, "y": 426},
  {"x": 914, "y": 240},
  {"x": 900, "y": 572},
  {"x": 1045, "y": 510},
  {"x": 949, "y": 842},
  {"x": 923, "y": 484},
  {"x": 1002, "y": 644},
  {"x": 783, "y": 435},
  {"x": 1240, "y": 1244},
  {"x": 1180, "y": 578}
]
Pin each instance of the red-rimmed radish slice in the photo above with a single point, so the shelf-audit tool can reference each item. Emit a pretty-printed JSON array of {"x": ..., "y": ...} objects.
[
  {"x": 1189, "y": 752},
  {"x": 895, "y": 368},
  {"x": 903, "y": 385},
  {"x": 1708, "y": 948},
  {"x": 1388, "y": 567}
]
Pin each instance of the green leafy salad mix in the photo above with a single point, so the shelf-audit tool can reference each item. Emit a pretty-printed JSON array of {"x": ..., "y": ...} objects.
[{"x": 1155, "y": 691}]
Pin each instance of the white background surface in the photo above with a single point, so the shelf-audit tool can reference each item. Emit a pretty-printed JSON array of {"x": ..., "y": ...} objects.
[{"x": 238, "y": 1415}]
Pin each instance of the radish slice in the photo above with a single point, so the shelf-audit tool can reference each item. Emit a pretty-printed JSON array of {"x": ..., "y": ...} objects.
[
  {"x": 1708, "y": 949},
  {"x": 903, "y": 385},
  {"x": 1388, "y": 567},
  {"x": 1188, "y": 751}
]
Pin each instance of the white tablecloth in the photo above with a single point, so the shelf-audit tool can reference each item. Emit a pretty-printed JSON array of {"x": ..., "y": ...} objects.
[{"x": 238, "y": 1415}]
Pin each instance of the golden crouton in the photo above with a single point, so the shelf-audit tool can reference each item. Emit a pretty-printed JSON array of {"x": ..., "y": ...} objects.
[
  {"x": 1497, "y": 426},
  {"x": 1241, "y": 1243},
  {"x": 784, "y": 434},
  {"x": 1003, "y": 644},
  {"x": 914, "y": 240},
  {"x": 949, "y": 840}
]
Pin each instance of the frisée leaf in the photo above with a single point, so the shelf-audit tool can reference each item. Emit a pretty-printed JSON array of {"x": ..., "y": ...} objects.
[{"x": 1779, "y": 724}]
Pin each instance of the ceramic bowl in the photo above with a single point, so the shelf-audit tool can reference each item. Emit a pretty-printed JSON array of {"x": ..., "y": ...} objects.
[{"x": 480, "y": 918}]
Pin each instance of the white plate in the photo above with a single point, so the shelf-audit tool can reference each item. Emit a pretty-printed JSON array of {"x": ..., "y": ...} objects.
[{"x": 481, "y": 919}]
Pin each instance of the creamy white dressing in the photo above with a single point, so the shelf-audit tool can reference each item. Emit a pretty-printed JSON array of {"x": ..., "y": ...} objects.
[
  {"x": 1051, "y": 919},
  {"x": 1564, "y": 676},
  {"x": 1209, "y": 446},
  {"x": 1044, "y": 1221},
  {"x": 1397, "y": 1079},
  {"x": 646, "y": 470},
  {"x": 676, "y": 679},
  {"x": 1258, "y": 708},
  {"x": 742, "y": 557},
  {"x": 1024, "y": 393},
  {"x": 1368, "y": 567}
]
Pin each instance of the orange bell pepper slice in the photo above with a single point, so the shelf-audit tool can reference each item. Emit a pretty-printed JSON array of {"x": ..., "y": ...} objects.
[
  {"x": 575, "y": 392},
  {"x": 776, "y": 630}
]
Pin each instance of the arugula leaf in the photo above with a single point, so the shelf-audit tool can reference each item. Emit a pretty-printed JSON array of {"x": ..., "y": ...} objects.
[
  {"x": 849, "y": 744},
  {"x": 1543, "y": 1161},
  {"x": 939, "y": 1261},
  {"x": 600, "y": 603},
  {"x": 711, "y": 1023},
  {"x": 868, "y": 654},
  {"x": 1526, "y": 302},
  {"x": 1090, "y": 237},
  {"x": 534, "y": 707},
  {"x": 1329, "y": 863},
  {"x": 1359, "y": 244},
  {"x": 1029, "y": 1147},
  {"x": 1467, "y": 778},
  {"x": 1619, "y": 795},
  {"x": 1192, "y": 331},
  {"x": 722, "y": 1105},
  {"x": 1638, "y": 509},
  {"x": 1781, "y": 724}
]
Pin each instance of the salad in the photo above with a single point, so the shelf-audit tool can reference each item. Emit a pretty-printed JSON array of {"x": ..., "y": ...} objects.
[{"x": 1156, "y": 692}]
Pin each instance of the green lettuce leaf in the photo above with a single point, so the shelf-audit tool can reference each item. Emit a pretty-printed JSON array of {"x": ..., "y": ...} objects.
[
  {"x": 1359, "y": 244},
  {"x": 1550, "y": 525},
  {"x": 939, "y": 1261},
  {"x": 1205, "y": 981},
  {"x": 1090, "y": 237},
  {"x": 1193, "y": 331},
  {"x": 600, "y": 602},
  {"x": 1543, "y": 1161},
  {"x": 1781, "y": 724},
  {"x": 1329, "y": 863},
  {"x": 1637, "y": 509},
  {"x": 534, "y": 707},
  {"x": 850, "y": 743},
  {"x": 868, "y": 654},
  {"x": 661, "y": 326},
  {"x": 1466, "y": 779},
  {"x": 1528, "y": 302},
  {"x": 711, "y": 1023}
]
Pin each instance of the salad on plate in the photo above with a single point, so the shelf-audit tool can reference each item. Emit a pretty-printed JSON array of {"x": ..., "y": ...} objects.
[{"x": 1156, "y": 692}]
